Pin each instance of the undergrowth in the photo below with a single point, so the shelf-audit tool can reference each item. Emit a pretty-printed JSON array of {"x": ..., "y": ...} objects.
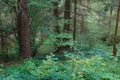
[{"x": 75, "y": 67}]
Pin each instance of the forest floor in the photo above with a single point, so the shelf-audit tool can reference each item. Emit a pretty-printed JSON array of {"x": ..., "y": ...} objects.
[
  {"x": 73, "y": 67},
  {"x": 94, "y": 64}
]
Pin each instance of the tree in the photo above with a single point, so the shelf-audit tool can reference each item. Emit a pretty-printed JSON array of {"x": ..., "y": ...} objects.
[
  {"x": 4, "y": 45},
  {"x": 111, "y": 7},
  {"x": 3, "y": 39},
  {"x": 116, "y": 31},
  {"x": 23, "y": 30},
  {"x": 82, "y": 25},
  {"x": 56, "y": 15},
  {"x": 75, "y": 12},
  {"x": 67, "y": 18},
  {"x": 67, "y": 15},
  {"x": 110, "y": 15},
  {"x": 57, "y": 27}
]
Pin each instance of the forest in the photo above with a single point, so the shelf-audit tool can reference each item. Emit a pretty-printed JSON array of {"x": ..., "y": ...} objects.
[{"x": 59, "y": 40}]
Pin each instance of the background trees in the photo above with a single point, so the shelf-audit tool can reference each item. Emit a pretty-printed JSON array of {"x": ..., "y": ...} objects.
[{"x": 52, "y": 26}]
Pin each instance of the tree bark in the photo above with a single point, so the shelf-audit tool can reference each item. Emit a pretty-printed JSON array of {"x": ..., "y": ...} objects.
[
  {"x": 57, "y": 27},
  {"x": 116, "y": 30},
  {"x": 56, "y": 15},
  {"x": 82, "y": 27},
  {"x": 67, "y": 25},
  {"x": 3, "y": 41},
  {"x": 67, "y": 15},
  {"x": 23, "y": 30},
  {"x": 75, "y": 12},
  {"x": 4, "y": 46}
]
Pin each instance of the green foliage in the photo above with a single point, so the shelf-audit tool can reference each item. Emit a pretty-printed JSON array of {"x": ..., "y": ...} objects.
[
  {"x": 86, "y": 42},
  {"x": 74, "y": 67},
  {"x": 53, "y": 40}
]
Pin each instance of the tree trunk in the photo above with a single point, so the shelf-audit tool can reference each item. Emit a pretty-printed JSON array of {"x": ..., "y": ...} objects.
[
  {"x": 67, "y": 15},
  {"x": 116, "y": 30},
  {"x": 56, "y": 15},
  {"x": 82, "y": 27},
  {"x": 110, "y": 23},
  {"x": 67, "y": 25},
  {"x": 3, "y": 41},
  {"x": 4, "y": 46},
  {"x": 23, "y": 30},
  {"x": 110, "y": 18},
  {"x": 75, "y": 11},
  {"x": 57, "y": 28}
]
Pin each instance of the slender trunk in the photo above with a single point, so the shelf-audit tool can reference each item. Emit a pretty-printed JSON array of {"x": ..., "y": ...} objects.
[
  {"x": 3, "y": 43},
  {"x": 82, "y": 24},
  {"x": 3, "y": 46},
  {"x": 110, "y": 18},
  {"x": 23, "y": 30},
  {"x": 75, "y": 11},
  {"x": 110, "y": 22},
  {"x": 116, "y": 30},
  {"x": 82, "y": 27}
]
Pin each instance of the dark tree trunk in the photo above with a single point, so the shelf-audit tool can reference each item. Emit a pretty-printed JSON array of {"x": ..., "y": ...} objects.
[
  {"x": 3, "y": 43},
  {"x": 67, "y": 25},
  {"x": 57, "y": 28},
  {"x": 56, "y": 15},
  {"x": 23, "y": 30},
  {"x": 67, "y": 15},
  {"x": 4, "y": 46},
  {"x": 75, "y": 12},
  {"x": 116, "y": 30}
]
